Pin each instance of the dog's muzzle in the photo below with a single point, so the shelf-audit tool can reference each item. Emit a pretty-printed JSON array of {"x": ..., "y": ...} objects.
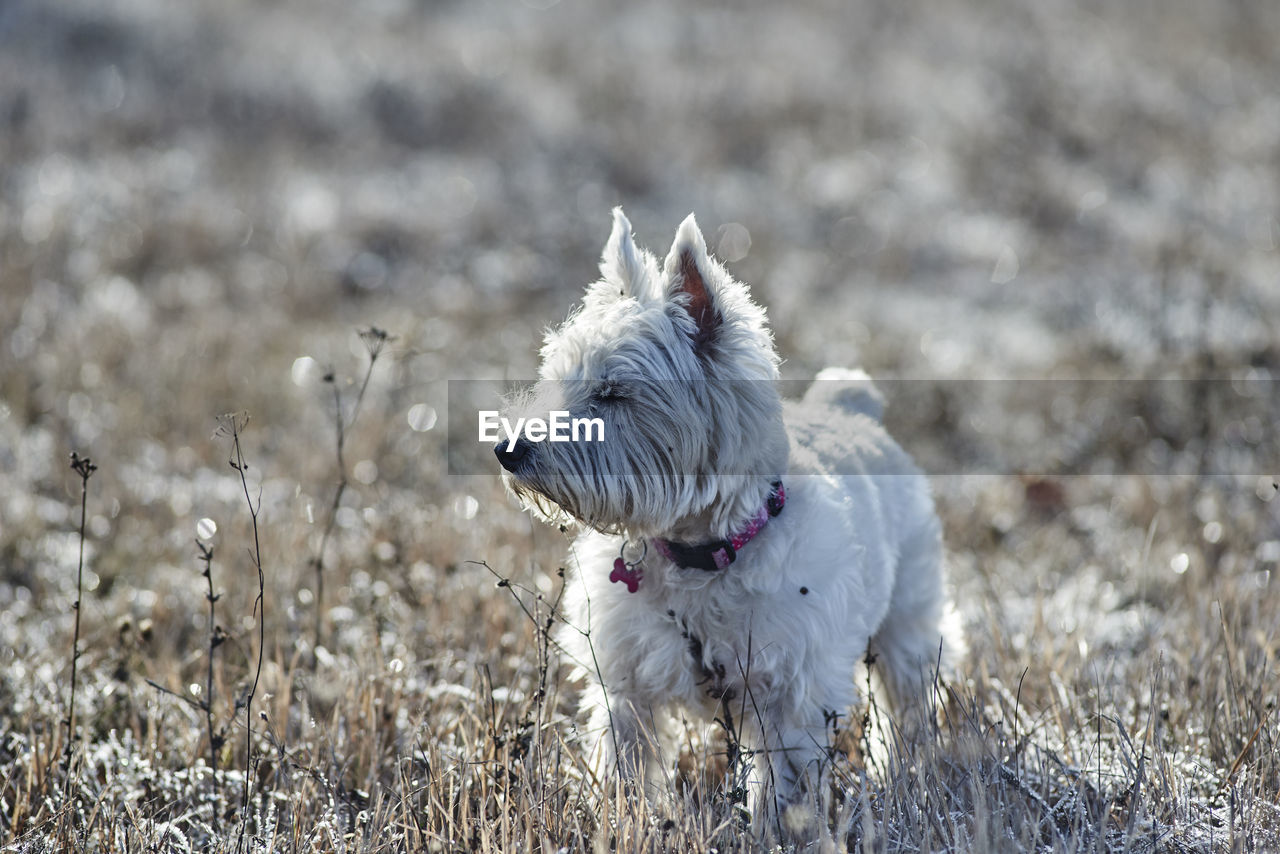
[{"x": 510, "y": 456}]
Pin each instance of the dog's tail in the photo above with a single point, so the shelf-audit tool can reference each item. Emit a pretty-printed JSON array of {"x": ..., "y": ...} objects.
[{"x": 848, "y": 389}]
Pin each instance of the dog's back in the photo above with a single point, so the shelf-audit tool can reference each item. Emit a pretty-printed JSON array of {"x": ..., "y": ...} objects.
[
  {"x": 836, "y": 434},
  {"x": 849, "y": 389}
]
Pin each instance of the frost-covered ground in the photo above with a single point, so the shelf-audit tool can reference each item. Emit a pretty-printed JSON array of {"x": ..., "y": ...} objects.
[{"x": 201, "y": 202}]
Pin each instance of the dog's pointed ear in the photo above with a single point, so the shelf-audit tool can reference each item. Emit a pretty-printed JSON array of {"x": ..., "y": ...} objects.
[
  {"x": 689, "y": 272},
  {"x": 622, "y": 263}
]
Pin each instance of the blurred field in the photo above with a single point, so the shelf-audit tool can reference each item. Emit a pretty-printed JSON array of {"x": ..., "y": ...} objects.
[{"x": 201, "y": 203}]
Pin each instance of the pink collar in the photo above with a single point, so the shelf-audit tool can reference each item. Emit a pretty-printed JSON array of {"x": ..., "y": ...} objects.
[
  {"x": 715, "y": 556},
  {"x": 709, "y": 557}
]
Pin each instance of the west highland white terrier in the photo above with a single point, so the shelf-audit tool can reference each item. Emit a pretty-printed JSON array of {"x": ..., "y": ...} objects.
[{"x": 740, "y": 554}]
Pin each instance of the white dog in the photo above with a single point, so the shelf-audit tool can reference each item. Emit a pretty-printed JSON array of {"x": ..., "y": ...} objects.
[{"x": 740, "y": 553}]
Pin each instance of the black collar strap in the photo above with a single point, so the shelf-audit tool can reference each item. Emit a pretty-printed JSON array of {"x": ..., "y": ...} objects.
[{"x": 716, "y": 555}]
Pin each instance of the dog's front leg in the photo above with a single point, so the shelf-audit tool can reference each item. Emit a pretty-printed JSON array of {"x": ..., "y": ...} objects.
[
  {"x": 626, "y": 743},
  {"x": 629, "y": 738},
  {"x": 791, "y": 759}
]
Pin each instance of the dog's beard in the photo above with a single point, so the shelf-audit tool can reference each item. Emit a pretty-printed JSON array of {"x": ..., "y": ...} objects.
[
  {"x": 554, "y": 510},
  {"x": 560, "y": 505},
  {"x": 611, "y": 504}
]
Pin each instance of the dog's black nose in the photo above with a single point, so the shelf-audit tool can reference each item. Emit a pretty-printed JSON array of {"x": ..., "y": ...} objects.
[{"x": 511, "y": 455}]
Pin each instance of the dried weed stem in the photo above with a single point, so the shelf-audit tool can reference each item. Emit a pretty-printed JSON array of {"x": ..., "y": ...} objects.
[
  {"x": 216, "y": 638},
  {"x": 233, "y": 425},
  {"x": 85, "y": 468},
  {"x": 375, "y": 340}
]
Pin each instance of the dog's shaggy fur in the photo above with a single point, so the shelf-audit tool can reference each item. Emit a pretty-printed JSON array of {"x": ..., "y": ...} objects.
[{"x": 678, "y": 363}]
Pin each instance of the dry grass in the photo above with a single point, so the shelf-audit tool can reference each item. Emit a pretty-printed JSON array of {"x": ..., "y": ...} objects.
[
  {"x": 200, "y": 203},
  {"x": 435, "y": 723}
]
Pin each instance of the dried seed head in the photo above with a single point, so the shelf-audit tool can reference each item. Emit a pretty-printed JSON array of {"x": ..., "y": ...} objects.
[
  {"x": 374, "y": 340},
  {"x": 82, "y": 466}
]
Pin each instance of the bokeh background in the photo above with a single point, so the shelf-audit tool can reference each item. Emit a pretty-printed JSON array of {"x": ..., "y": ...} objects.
[{"x": 202, "y": 202}]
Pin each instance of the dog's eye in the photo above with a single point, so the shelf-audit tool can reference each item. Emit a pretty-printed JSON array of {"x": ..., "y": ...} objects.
[{"x": 608, "y": 390}]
